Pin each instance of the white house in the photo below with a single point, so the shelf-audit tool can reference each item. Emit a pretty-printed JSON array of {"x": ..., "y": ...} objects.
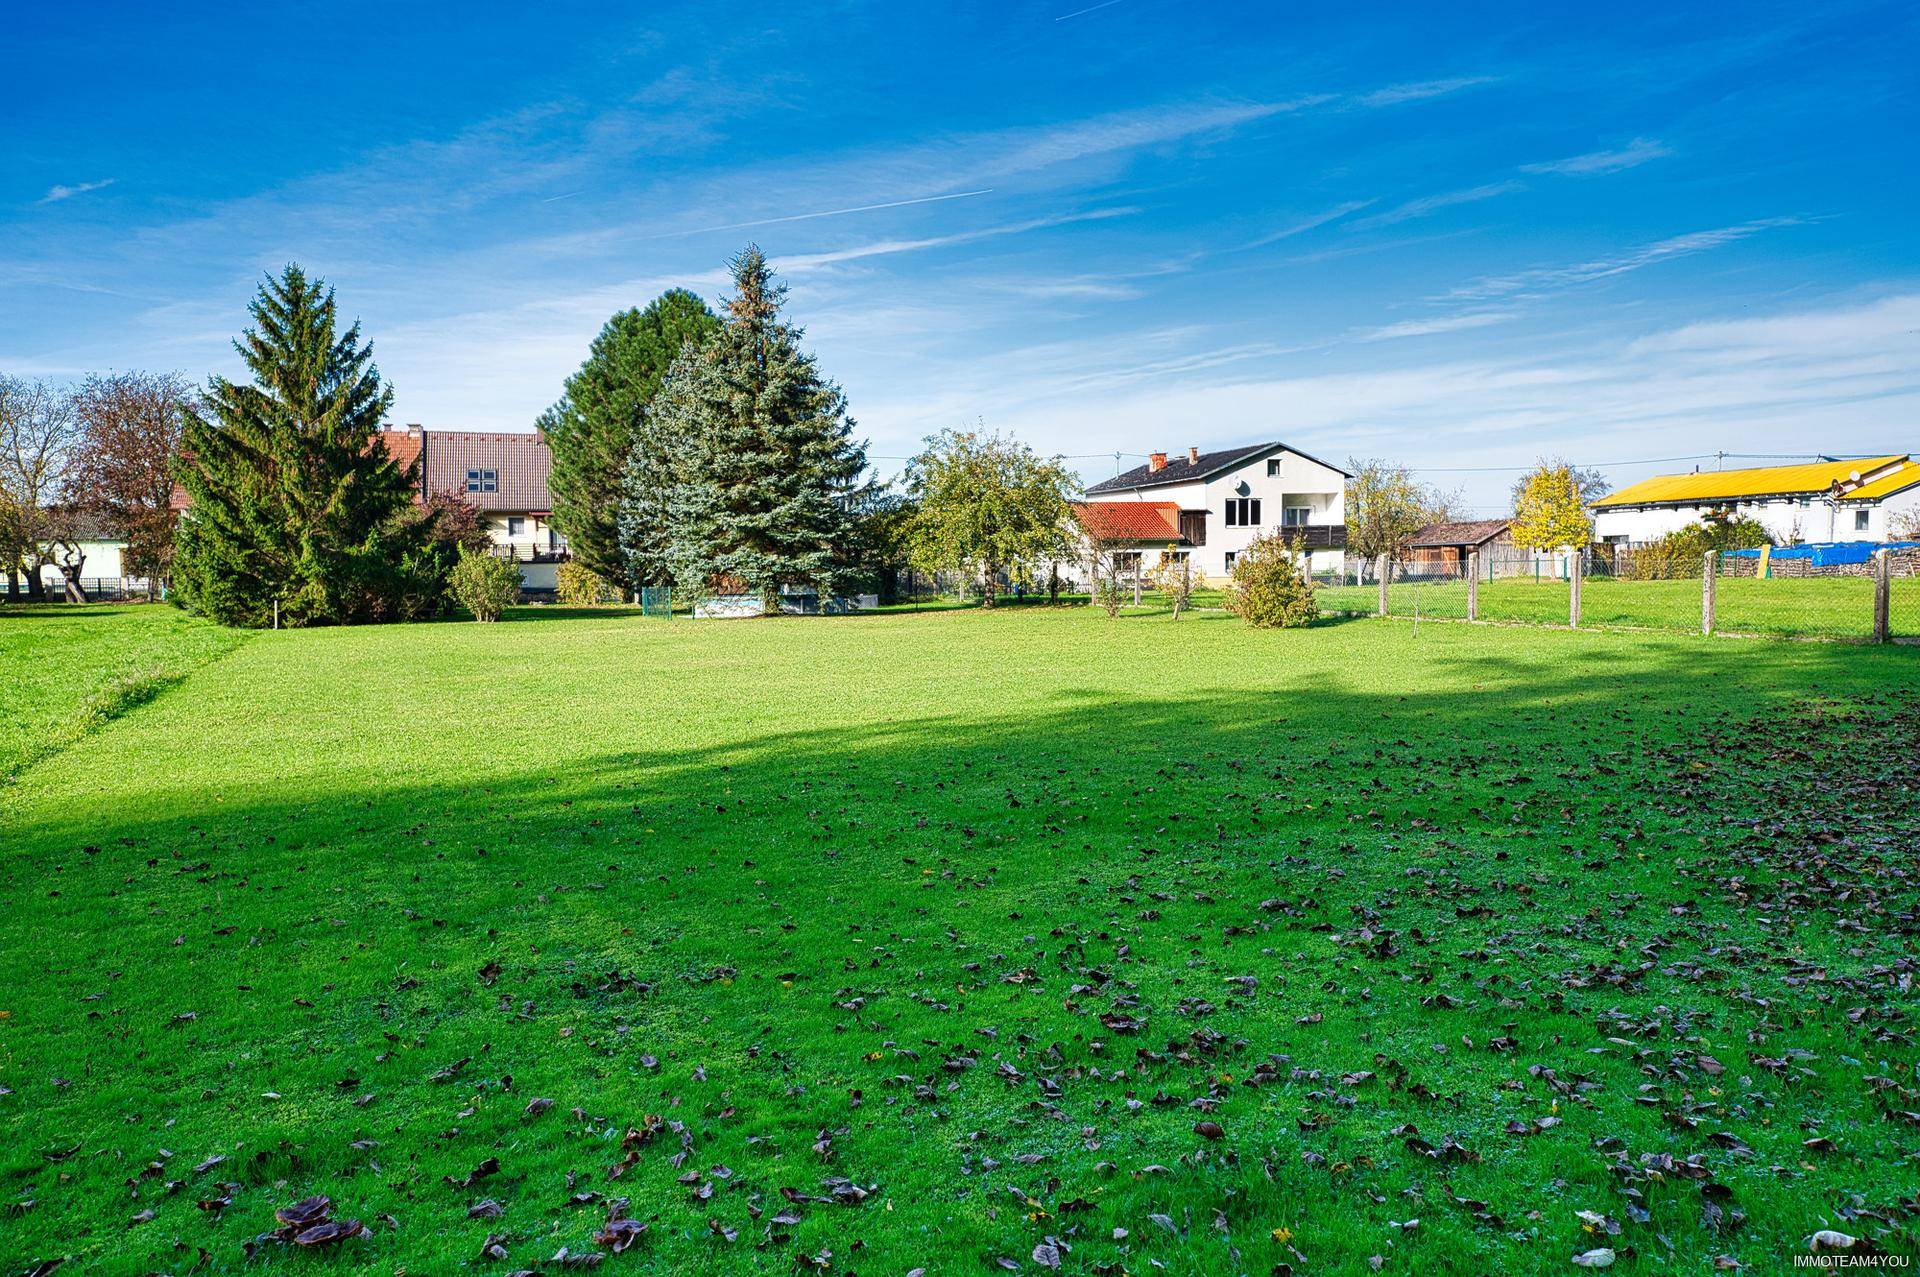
[
  {"x": 1855, "y": 500},
  {"x": 504, "y": 475},
  {"x": 1207, "y": 507}
]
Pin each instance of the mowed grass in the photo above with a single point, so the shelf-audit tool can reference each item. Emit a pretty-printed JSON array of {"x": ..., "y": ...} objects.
[
  {"x": 1821, "y": 607},
  {"x": 67, "y": 669},
  {"x": 1335, "y": 950}
]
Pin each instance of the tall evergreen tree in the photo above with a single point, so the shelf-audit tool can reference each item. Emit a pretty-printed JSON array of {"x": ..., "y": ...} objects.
[
  {"x": 294, "y": 496},
  {"x": 601, "y": 421},
  {"x": 761, "y": 485}
]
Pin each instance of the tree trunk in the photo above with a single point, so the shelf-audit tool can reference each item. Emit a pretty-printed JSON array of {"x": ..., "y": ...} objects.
[{"x": 991, "y": 586}]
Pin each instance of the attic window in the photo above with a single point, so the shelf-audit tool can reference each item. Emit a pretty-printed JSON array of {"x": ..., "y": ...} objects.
[{"x": 483, "y": 481}]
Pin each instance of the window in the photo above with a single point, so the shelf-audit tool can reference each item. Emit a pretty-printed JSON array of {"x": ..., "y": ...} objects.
[
  {"x": 516, "y": 526},
  {"x": 1273, "y": 468},
  {"x": 1230, "y": 557},
  {"x": 483, "y": 481},
  {"x": 1294, "y": 516},
  {"x": 1243, "y": 512},
  {"x": 1859, "y": 520}
]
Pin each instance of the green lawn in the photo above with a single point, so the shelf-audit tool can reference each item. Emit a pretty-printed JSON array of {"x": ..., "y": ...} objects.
[
  {"x": 65, "y": 670},
  {"x": 921, "y": 939},
  {"x": 1829, "y": 607}
]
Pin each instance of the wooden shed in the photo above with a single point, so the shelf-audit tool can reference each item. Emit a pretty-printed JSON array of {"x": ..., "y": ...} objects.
[{"x": 1441, "y": 549}]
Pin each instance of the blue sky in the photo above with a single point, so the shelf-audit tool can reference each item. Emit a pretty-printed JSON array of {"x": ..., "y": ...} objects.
[{"x": 1457, "y": 236}]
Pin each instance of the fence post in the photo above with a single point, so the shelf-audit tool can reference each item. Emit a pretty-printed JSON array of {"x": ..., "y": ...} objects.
[
  {"x": 1382, "y": 566},
  {"x": 1473, "y": 585},
  {"x": 1882, "y": 598},
  {"x": 1576, "y": 569},
  {"x": 1706, "y": 592}
]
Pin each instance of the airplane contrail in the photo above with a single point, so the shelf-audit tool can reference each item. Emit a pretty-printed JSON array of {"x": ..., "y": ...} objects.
[{"x": 831, "y": 212}]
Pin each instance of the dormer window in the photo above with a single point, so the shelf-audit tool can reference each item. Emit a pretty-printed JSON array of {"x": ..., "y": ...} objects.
[{"x": 483, "y": 481}]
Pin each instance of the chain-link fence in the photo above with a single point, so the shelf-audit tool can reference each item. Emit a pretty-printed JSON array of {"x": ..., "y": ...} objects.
[{"x": 1847, "y": 594}]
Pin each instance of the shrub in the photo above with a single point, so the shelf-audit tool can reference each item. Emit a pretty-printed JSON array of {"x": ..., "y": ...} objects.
[
  {"x": 577, "y": 585},
  {"x": 1177, "y": 580},
  {"x": 1680, "y": 553},
  {"x": 485, "y": 585},
  {"x": 1268, "y": 588}
]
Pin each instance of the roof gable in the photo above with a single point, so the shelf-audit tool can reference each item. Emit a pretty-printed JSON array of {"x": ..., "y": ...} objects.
[{"x": 520, "y": 465}]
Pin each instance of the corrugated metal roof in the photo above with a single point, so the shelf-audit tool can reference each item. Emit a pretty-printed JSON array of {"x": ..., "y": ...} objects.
[
  {"x": 518, "y": 466},
  {"x": 1130, "y": 520},
  {"x": 1725, "y": 485},
  {"x": 1472, "y": 533}
]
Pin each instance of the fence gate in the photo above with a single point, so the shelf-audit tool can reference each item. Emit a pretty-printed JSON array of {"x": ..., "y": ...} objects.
[{"x": 657, "y": 600}]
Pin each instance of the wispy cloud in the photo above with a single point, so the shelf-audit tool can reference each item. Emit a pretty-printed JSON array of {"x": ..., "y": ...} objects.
[
  {"x": 1429, "y": 327},
  {"x": 1633, "y": 154},
  {"x": 1092, "y": 8},
  {"x": 1434, "y": 203},
  {"x": 1554, "y": 278},
  {"x": 801, "y": 263},
  {"x": 1311, "y": 222},
  {"x": 831, "y": 212},
  {"x": 1394, "y": 94},
  {"x": 57, "y": 193}
]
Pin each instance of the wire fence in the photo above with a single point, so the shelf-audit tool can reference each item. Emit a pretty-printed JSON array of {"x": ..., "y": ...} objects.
[{"x": 1863, "y": 596}]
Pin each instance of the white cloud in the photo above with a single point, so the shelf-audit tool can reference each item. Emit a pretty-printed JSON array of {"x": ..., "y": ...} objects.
[
  {"x": 1395, "y": 94},
  {"x": 1434, "y": 203},
  {"x": 1633, "y": 154},
  {"x": 1429, "y": 327},
  {"x": 1548, "y": 279},
  {"x": 57, "y": 193}
]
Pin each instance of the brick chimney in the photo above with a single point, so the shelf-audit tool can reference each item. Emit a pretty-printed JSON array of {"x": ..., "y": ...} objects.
[
  {"x": 1157, "y": 462},
  {"x": 1193, "y": 456}
]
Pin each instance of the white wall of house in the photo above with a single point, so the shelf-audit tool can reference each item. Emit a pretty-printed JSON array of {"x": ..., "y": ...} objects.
[
  {"x": 1788, "y": 519},
  {"x": 102, "y": 562}
]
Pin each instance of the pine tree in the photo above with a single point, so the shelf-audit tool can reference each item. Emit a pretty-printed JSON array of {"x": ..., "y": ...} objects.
[
  {"x": 601, "y": 421},
  {"x": 294, "y": 496},
  {"x": 762, "y": 482}
]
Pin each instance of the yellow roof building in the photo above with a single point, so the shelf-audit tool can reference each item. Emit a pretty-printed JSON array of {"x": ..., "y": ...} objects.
[{"x": 1859, "y": 479}]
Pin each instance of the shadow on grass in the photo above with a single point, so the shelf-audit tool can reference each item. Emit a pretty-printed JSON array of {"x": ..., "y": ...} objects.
[{"x": 843, "y": 931}]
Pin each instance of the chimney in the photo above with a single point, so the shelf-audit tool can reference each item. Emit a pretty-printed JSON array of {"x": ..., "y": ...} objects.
[
  {"x": 1157, "y": 462},
  {"x": 413, "y": 428},
  {"x": 1193, "y": 456}
]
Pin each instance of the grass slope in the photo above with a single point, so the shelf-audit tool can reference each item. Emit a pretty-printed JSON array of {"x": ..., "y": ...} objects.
[
  {"x": 69, "y": 669},
  {"x": 1177, "y": 943}
]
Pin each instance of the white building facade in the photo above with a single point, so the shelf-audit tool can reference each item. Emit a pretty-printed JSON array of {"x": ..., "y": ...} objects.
[{"x": 1213, "y": 505}]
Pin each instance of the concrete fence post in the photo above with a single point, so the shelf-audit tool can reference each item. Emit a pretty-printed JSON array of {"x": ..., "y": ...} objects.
[
  {"x": 1882, "y": 597},
  {"x": 1473, "y": 585},
  {"x": 1383, "y": 566},
  {"x": 1706, "y": 592},
  {"x": 1576, "y": 570}
]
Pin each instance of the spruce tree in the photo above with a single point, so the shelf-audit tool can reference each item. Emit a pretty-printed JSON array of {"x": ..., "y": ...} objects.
[
  {"x": 761, "y": 483},
  {"x": 600, "y": 423},
  {"x": 294, "y": 496}
]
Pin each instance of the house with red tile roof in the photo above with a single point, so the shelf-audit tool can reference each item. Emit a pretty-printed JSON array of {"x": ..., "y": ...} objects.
[{"x": 1207, "y": 507}]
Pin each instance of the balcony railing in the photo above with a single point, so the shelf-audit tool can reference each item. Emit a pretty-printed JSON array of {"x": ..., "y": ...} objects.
[
  {"x": 529, "y": 553},
  {"x": 1315, "y": 536}
]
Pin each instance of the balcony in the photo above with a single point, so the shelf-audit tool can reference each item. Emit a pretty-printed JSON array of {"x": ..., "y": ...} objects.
[
  {"x": 1315, "y": 536},
  {"x": 529, "y": 552}
]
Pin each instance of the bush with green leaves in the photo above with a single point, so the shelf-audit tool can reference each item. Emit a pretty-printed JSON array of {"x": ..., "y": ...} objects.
[
  {"x": 1682, "y": 553},
  {"x": 1269, "y": 587},
  {"x": 484, "y": 584},
  {"x": 578, "y": 585}
]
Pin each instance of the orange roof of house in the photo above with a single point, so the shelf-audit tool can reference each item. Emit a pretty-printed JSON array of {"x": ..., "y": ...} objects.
[
  {"x": 1761, "y": 481},
  {"x": 1130, "y": 520}
]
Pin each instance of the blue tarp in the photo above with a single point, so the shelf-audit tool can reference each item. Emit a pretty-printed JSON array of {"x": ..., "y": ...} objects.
[{"x": 1829, "y": 554}]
